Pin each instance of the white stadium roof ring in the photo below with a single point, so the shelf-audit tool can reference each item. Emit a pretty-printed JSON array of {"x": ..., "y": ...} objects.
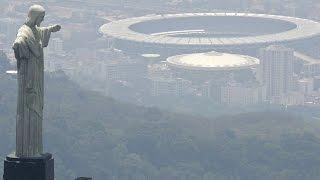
[{"x": 211, "y": 29}]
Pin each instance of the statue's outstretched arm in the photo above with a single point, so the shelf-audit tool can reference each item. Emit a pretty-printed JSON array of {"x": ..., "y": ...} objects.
[
  {"x": 55, "y": 28},
  {"x": 46, "y": 32}
]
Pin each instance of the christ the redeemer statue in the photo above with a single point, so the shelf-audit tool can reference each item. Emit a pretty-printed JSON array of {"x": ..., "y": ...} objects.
[{"x": 28, "y": 50}]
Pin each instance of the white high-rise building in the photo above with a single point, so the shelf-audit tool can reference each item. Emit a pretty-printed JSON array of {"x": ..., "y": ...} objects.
[{"x": 277, "y": 70}]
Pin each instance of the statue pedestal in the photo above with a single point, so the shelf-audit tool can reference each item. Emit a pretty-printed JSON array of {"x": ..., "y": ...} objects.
[{"x": 37, "y": 168}]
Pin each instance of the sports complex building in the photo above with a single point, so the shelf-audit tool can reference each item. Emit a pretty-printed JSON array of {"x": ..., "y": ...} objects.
[
  {"x": 195, "y": 32},
  {"x": 211, "y": 66},
  {"x": 212, "y": 55}
]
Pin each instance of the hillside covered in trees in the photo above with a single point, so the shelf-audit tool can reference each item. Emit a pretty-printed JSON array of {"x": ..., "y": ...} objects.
[{"x": 91, "y": 135}]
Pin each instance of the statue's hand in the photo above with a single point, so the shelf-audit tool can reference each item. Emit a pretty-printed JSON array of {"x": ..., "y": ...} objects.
[{"x": 55, "y": 28}]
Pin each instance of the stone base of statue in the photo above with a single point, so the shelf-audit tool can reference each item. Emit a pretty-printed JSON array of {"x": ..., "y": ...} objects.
[{"x": 37, "y": 168}]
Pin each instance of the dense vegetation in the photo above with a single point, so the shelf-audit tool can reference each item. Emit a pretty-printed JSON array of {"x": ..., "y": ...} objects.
[{"x": 90, "y": 135}]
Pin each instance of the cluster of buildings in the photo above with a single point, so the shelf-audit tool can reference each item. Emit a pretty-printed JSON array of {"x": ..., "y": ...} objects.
[
  {"x": 222, "y": 77},
  {"x": 265, "y": 59},
  {"x": 225, "y": 78},
  {"x": 271, "y": 78},
  {"x": 186, "y": 66},
  {"x": 286, "y": 83}
]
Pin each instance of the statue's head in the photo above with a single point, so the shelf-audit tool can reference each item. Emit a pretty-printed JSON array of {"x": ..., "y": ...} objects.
[{"x": 36, "y": 15}]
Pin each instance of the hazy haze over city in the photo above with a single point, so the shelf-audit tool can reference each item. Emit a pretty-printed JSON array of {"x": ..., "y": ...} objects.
[{"x": 174, "y": 89}]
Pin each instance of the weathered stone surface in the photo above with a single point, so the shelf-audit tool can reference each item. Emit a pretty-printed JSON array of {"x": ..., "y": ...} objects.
[{"x": 28, "y": 50}]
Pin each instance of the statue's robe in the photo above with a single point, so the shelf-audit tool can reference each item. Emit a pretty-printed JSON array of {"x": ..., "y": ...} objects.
[{"x": 28, "y": 49}]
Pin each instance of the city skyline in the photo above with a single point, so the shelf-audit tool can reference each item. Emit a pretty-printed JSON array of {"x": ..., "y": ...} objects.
[{"x": 174, "y": 89}]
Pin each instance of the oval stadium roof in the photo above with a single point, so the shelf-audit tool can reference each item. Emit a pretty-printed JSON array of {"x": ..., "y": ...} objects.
[
  {"x": 122, "y": 30},
  {"x": 212, "y": 61}
]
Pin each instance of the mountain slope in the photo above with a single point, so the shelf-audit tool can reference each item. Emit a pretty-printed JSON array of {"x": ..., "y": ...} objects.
[{"x": 91, "y": 135}]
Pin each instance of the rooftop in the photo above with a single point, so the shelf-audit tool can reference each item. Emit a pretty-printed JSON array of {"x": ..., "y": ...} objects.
[
  {"x": 151, "y": 55},
  {"x": 212, "y": 61},
  {"x": 294, "y": 29}
]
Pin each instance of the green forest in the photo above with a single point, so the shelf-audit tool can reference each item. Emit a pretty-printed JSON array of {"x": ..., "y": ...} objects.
[{"x": 91, "y": 135}]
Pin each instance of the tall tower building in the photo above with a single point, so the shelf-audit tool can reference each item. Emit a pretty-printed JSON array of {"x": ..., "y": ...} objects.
[{"x": 277, "y": 70}]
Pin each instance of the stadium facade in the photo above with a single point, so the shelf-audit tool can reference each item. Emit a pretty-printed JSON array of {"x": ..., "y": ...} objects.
[{"x": 202, "y": 32}]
